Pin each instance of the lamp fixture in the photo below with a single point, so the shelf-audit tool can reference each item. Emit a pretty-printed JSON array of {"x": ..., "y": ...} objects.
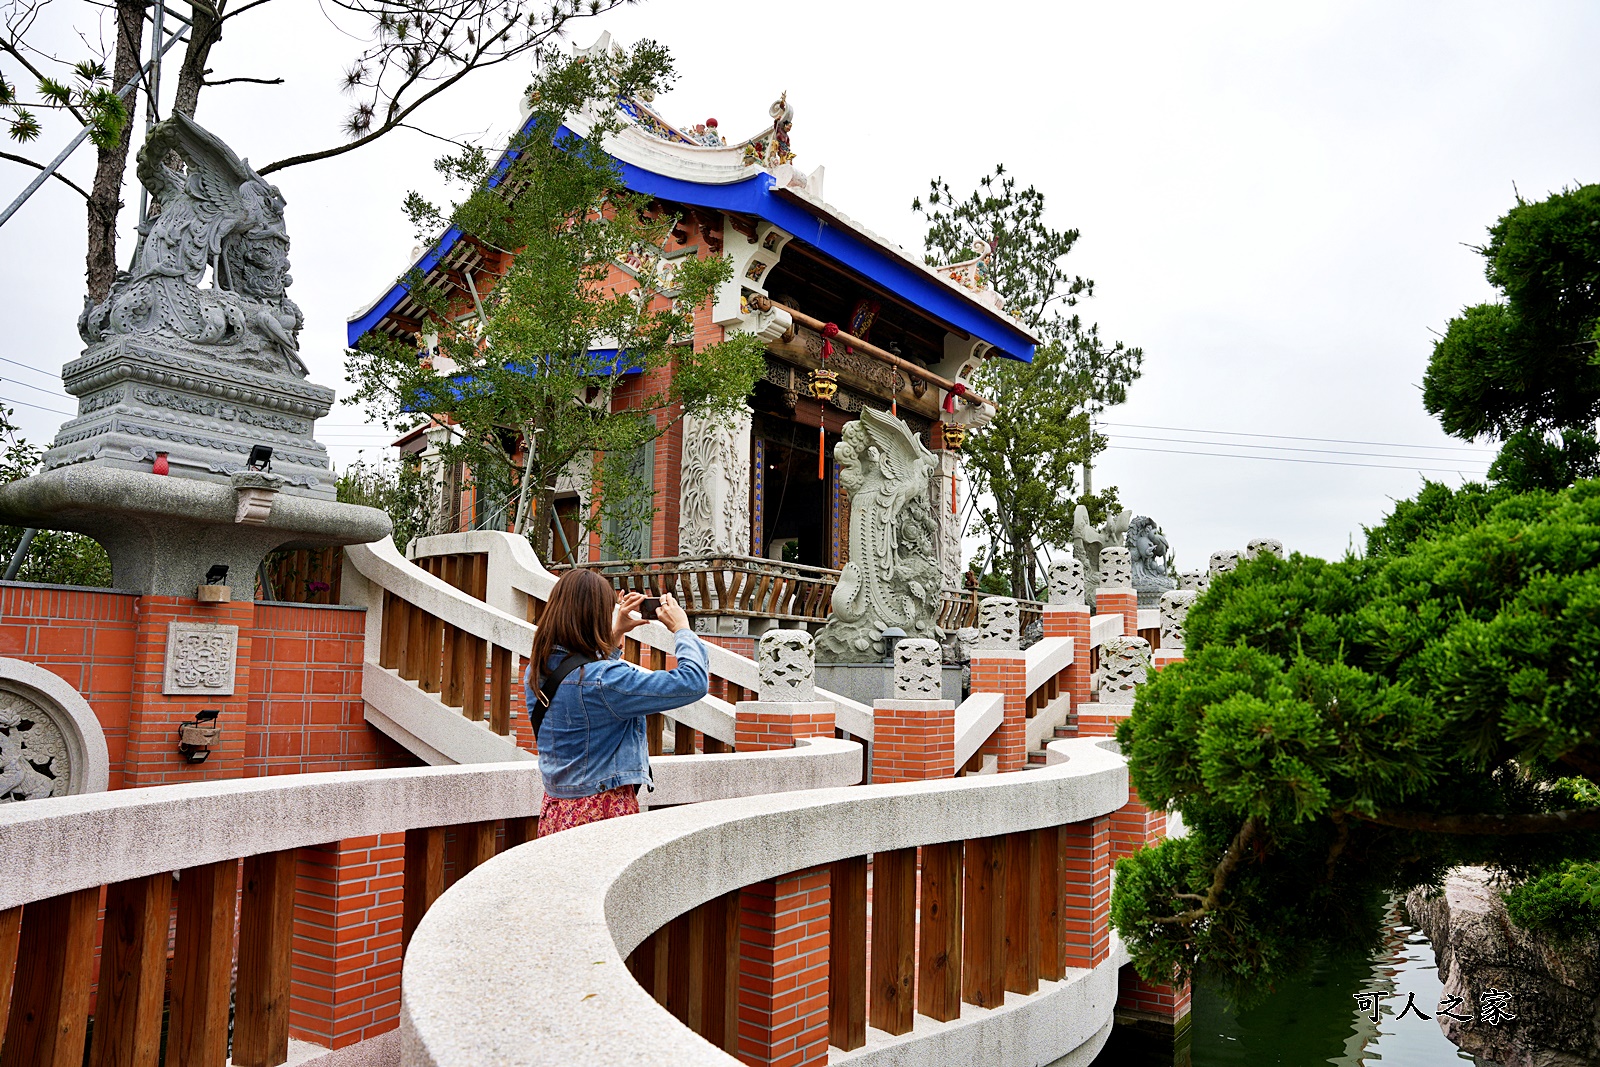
[
  {"x": 954, "y": 435},
  {"x": 824, "y": 384},
  {"x": 214, "y": 590},
  {"x": 260, "y": 458},
  {"x": 196, "y": 737}
]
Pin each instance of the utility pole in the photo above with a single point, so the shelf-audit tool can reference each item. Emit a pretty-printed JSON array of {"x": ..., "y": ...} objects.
[{"x": 152, "y": 112}]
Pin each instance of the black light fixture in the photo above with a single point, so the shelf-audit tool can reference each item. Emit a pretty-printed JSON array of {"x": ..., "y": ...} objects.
[
  {"x": 260, "y": 458},
  {"x": 214, "y": 590},
  {"x": 196, "y": 737},
  {"x": 217, "y": 575}
]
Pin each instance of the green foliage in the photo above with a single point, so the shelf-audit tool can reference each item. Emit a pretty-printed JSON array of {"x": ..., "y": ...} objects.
[
  {"x": 54, "y": 557},
  {"x": 1525, "y": 370},
  {"x": 1562, "y": 901},
  {"x": 399, "y": 489},
  {"x": 519, "y": 367},
  {"x": 1024, "y": 463},
  {"x": 88, "y": 92},
  {"x": 1342, "y": 730}
]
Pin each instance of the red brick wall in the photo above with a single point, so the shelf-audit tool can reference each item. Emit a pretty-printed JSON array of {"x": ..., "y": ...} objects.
[
  {"x": 744, "y": 646},
  {"x": 1073, "y": 622},
  {"x": 1086, "y": 877},
  {"x": 305, "y": 708},
  {"x": 783, "y": 970},
  {"x": 1134, "y": 994},
  {"x": 1119, "y": 601},
  {"x": 1005, "y": 673},
  {"x": 86, "y": 637},
  {"x": 912, "y": 745},
  {"x": 758, "y": 731}
]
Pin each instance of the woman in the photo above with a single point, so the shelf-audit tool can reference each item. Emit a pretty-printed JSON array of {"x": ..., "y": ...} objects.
[{"x": 593, "y": 754}]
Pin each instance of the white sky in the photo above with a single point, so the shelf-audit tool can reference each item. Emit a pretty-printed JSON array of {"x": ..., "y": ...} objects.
[{"x": 1275, "y": 199}]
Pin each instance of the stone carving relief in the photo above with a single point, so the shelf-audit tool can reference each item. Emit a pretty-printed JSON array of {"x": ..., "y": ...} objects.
[
  {"x": 892, "y": 578},
  {"x": 34, "y": 759},
  {"x": 51, "y": 743},
  {"x": 1148, "y": 553},
  {"x": 786, "y": 664},
  {"x": 947, "y": 505},
  {"x": 201, "y": 657},
  {"x": 1175, "y": 604},
  {"x": 1195, "y": 580},
  {"x": 999, "y": 623},
  {"x": 1226, "y": 560},
  {"x": 714, "y": 509},
  {"x": 1263, "y": 546},
  {"x": 1089, "y": 541},
  {"x": 1066, "y": 582},
  {"x": 917, "y": 666},
  {"x": 1116, "y": 569},
  {"x": 1124, "y": 666}
]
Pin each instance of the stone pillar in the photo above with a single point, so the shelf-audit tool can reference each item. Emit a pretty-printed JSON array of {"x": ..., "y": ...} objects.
[
  {"x": 349, "y": 902},
  {"x": 1000, "y": 666},
  {"x": 1225, "y": 560},
  {"x": 914, "y": 731},
  {"x": 788, "y": 708},
  {"x": 783, "y": 970},
  {"x": 1263, "y": 546},
  {"x": 1068, "y": 616},
  {"x": 188, "y": 657},
  {"x": 1175, "y": 606},
  {"x": 1115, "y": 593},
  {"x": 947, "y": 502}
]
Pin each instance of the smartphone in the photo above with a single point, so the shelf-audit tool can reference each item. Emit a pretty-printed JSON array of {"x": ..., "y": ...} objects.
[{"x": 647, "y": 610}]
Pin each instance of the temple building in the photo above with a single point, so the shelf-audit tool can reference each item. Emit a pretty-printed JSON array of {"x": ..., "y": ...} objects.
[{"x": 909, "y": 336}]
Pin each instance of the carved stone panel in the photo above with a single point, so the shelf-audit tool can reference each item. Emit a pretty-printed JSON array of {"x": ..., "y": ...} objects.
[
  {"x": 917, "y": 666},
  {"x": 201, "y": 657},
  {"x": 714, "y": 509},
  {"x": 1263, "y": 546},
  {"x": 1226, "y": 560},
  {"x": 786, "y": 662},
  {"x": 1175, "y": 606},
  {"x": 999, "y": 623},
  {"x": 1124, "y": 666},
  {"x": 1116, "y": 567},
  {"x": 51, "y": 743},
  {"x": 1066, "y": 582},
  {"x": 1195, "y": 580}
]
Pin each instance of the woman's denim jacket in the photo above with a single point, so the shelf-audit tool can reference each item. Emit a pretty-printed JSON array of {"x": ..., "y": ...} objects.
[{"x": 592, "y": 738}]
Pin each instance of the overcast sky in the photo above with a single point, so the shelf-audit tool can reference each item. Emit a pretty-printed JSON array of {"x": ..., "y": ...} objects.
[{"x": 1276, "y": 201}]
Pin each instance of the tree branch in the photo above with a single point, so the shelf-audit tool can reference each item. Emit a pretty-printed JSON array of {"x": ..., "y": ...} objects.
[
  {"x": 1488, "y": 823},
  {"x": 1219, "y": 878},
  {"x": 252, "y": 81},
  {"x": 40, "y": 166},
  {"x": 16, "y": 53}
]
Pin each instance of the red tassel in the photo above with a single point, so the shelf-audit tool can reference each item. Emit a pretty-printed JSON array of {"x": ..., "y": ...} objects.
[
  {"x": 956, "y": 389},
  {"x": 829, "y": 332},
  {"x": 822, "y": 446},
  {"x": 952, "y": 492}
]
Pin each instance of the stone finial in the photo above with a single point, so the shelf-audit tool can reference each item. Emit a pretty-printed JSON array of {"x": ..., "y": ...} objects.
[
  {"x": 999, "y": 623},
  {"x": 1194, "y": 580},
  {"x": 786, "y": 662},
  {"x": 1124, "y": 666},
  {"x": 1263, "y": 546},
  {"x": 1226, "y": 560},
  {"x": 917, "y": 665},
  {"x": 1066, "y": 582},
  {"x": 1116, "y": 568},
  {"x": 1175, "y": 606}
]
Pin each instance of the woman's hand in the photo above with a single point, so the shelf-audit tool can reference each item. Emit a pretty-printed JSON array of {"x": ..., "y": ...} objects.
[
  {"x": 626, "y": 619},
  {"x": 670, "y": 615}
]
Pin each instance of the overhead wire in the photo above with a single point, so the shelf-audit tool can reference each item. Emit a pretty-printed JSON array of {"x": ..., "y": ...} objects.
[
  {"x": 1296, "y": 459},
  {"x": 41, "y": 407},
  {"x": 1291, "y": 448},
  {"x": 1286, "y": 437}
]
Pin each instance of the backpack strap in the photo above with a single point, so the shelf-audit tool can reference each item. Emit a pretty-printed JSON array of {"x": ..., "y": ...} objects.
[{"x": 548, "y": 685}]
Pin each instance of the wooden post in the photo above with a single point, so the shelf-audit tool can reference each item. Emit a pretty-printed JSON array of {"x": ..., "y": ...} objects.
[
  {"x": 983, "y": 951},
  {"x": 1022, "y": 910},
  {"x": 476, "y": 844},
  {"x": 411, "y": 654},
  {"x": 133, "y": 972},
  {"x": 682, "y": 739},
  {"x": 432, "y": 654},
  {"x": 424, "y": 876},
  {"x": 202, "y": 965},
  {"x": 714, "y": 971},
  {"x": 450, "y": 641},
  {"x": 679, "y": 970},
  {"x": 655, "y": 726},
  {"x": 472, "y": 678},
  {"x": 1047, "y": 928},
  {"x": 939, "y": 963},
  {"x": 847, "y": 947},
  {"x": 519, "y": 831},
  {"x": 500, "y": 671},
  {"x": 55, "y": 966},
  {"x": 894, "y": 940},
  {"x": 10, "y": 934},
  {"x": 266, "y": 936}
]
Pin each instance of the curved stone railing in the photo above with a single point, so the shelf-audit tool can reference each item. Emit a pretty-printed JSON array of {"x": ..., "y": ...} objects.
[
  {"x": 58, "y": 853},
  {"x": 527, "y": 961}
]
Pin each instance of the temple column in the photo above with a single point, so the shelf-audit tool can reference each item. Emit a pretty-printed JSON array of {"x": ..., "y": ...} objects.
[{"x": 714, "y": 498}]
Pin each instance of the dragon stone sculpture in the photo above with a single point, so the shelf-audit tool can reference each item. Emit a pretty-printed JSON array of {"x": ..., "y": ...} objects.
[
  {"x": 1149, "y": 551},
  {"x": 892, "y": 578},
  {"x": 195, "y": 354}
]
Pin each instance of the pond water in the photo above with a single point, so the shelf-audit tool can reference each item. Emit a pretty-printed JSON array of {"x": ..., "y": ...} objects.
[{"x": 1316, "y": 1018}]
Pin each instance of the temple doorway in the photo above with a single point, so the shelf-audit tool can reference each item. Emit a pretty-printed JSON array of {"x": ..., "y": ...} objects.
[{"x": 794, "y": 513}]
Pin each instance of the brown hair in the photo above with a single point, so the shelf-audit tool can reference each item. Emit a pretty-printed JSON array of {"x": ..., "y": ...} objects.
[{"x": 577, "y": 617}]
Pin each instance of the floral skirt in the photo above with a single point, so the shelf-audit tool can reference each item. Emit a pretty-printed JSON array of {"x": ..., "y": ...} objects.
[{"x": 563, "y": 813}]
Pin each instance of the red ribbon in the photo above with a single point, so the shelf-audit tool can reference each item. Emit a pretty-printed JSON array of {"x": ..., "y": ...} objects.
[
  {"x": 829, "y": 332},
  {"x": 957, "y": 389}
]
